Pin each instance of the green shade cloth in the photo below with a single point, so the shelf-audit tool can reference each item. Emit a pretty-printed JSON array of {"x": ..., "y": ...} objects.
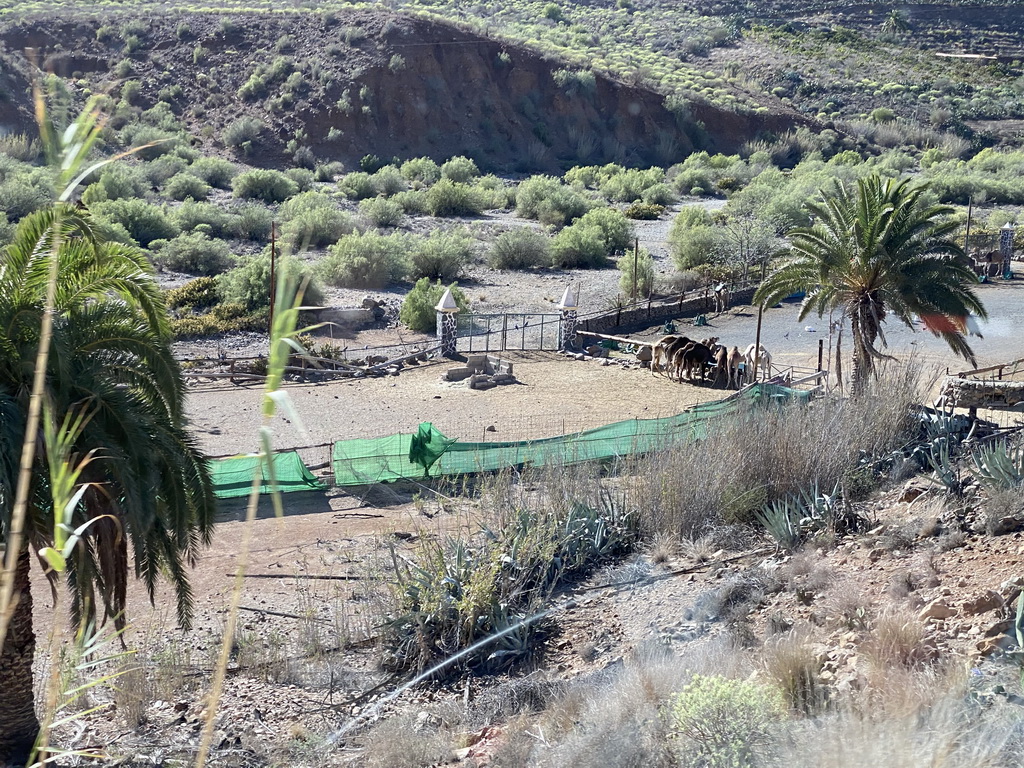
[
  {"x": 233, "y": 477},
  {"x": 397, "y": 457}
]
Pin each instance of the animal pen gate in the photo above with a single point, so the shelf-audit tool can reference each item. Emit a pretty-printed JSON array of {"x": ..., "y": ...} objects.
[{"x": 504, "y": 331}]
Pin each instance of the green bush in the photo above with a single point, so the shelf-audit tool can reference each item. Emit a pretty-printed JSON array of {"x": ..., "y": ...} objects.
[
  {"x": 268, "y": 186},
  {"x": 421, "y": 170},
  {"x": 520, "y": 248},
  {"x": 616, "y": 230},
  {"x": 252, "y": 221},
  {"x": 579, "y": 246},
  {"x": 720, "y": 721},
  {"x": 388, "y": 181},
  {"x": 21, "y": 193},
  {"x": 303, "y": 178},
  {"x": 412, "y": 201},
  {"x": 193, "y": 253},
  {"x": 629, "y": 185},
  {"x": 549, "y": 201},
  {"x": 143, "y": 221},
  {"x": 658, "y": 194},
  {"x": 191, "y": 215},
  {"x": 693, "y": 239},
  {"x": 329, "y": 171},
  {"x": 115, "y": 182},
  {"x": 185, "y": 185},
  {"x": 418, "y": 311},
  {"x": 441, "y": 255},
  {"x": 381, "y": 211},
  {"x": 450, "y": 198},
  {"x": 460, "y": 170},
  {"x": 248, "y": 284},
  {"x": 357, "y": 185},
  {"x": 644, "y": 211},
  {"x": 215, "y": 171},
  {"x": 312, "y": 220},
  {"x": 368, "y": 260},
  {"x": 643, "y": 271},
  {"x": 159, "y": 171},
  {"x": 200, "y": 293}
]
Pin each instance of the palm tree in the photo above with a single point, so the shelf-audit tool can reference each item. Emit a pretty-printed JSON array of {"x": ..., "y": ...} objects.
[
  {"x": 879, "y": 249},
  {"x": 147, "y": 484}
]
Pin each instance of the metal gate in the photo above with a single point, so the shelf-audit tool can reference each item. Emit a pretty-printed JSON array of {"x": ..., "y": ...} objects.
[{"x": 500, "y": 332}]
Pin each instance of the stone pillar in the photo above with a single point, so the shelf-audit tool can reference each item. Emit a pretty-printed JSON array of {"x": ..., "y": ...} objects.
[
  {"x": 1006, "y": 246},
  {"x": 447, "y": 324},
  {"x": 569, "y": 321}
]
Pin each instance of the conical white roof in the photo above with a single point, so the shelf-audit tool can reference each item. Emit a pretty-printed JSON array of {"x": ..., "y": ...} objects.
[
  {"x": 568, "y": 300},
  {"x": 447, "y": 302}
]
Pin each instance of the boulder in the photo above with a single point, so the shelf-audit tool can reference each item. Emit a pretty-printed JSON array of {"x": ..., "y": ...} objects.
[
  {"x": 596, "y": 350},
  {"x": 987, "y": 601},
  {"x": 937, "y": 609}
]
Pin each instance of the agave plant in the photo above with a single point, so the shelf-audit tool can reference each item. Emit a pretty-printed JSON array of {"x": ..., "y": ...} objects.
[{"x": 1000, "y": 465}]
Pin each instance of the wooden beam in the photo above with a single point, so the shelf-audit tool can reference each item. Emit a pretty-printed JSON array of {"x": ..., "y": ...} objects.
[{"x": 620, "y": 339}]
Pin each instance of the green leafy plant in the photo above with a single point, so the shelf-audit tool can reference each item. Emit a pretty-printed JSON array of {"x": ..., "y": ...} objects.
[
  {"x": 418, "y": 311},
  {"x": 1000, "y": 465}
]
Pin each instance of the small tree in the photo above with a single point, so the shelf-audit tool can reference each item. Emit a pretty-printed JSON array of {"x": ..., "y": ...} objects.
[{"x": 418, "y": 307}]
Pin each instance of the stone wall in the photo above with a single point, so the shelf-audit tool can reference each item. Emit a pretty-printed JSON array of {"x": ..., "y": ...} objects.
[{"x": 643, "y": 316}]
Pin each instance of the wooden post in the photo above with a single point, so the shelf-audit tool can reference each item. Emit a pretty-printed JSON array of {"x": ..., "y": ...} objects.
[
  {"x": 273, "y": 284},
  {"x": 821, "y": 352},
  {"x": 636, "y": 259},
  {"x": 967, "y": 234},
  {"x": 757, "y": 343}
]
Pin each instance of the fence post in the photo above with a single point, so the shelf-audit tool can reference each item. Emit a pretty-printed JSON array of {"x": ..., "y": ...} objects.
[
  {"x": 447, "y": 323},
  {"x": 568, "y": 321},
  {"x": 1006, "y": 247}
]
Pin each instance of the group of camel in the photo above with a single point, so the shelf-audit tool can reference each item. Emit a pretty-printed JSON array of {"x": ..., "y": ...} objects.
[{"x": 679, "y": 356}]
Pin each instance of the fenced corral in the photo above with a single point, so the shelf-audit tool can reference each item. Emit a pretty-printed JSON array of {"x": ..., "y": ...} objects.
[
  {"x": 508, "y": 331},
  {"x": 995, "y": 387}
]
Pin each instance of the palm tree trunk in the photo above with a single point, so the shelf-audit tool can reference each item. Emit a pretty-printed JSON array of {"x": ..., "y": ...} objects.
[
  {"x": 19, "y": 725},
  {"x": 861, "y": 358}
]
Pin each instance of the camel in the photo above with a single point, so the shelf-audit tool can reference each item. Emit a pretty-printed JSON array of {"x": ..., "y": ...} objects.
[
  {"x": 721, "y": 363},
  {"x": 667, "y": 350},
  {"x": 764, "y": 362},
  {"x": 733, "y": 370},
  {"x": 694, "y": 357},
  {"x": 721, "y": 298}
]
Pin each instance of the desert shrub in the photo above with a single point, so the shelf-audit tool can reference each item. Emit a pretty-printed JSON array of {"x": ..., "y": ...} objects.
[
  {"x": 20, "y": 147},
  {"x": 720, "y": 721},
  {"x": 520, "y": 248},
  {"x": 421, "y": 170},
  {"x": 248, "y": 283},
  {"x": 579, "y": 246},
  {"x": 211, "y": 219},
  {"x": 303, "y": 178},
  {"x": 693, "y": 239},
  {"x": 441, "y": 255},
  {"x": 193, "y": 253},
  {"x": 418, "y": 311},
  {"x": 268, "y": 186},
  {"x": 658, "y": 194},
  {"x": 200, "y": 293},
  {"x": 381, "y": 212},
  {"x": 357, "y": 185},
  {"x": 153, "y": 140},
  {"x": 215, "y": 171},
  {"x": 630, "y": 184},
  {"x": 367, "y": 260},
  {"x": 23, "y": 192},
  {"x": 163, "y": 168},
  {"x": 185, "y": 185},
  {"x": 252, "y": 221},
  {"x": 546, "y": 199},
  {"x": 450, "y": 198},
  {"x": 460, "y": 170},
  {"x": 616, "y": 230},
  {"x": 6, "y": 230},
  {"x": 115, "y": 182},
  {"x": 644, "y": 211},
  {"x": 642, "y": 269},
  {"x": 312, "y": 220},
  {"x": 329, "y": 171},
  {"x": 412, "y": 200},
  {"x": 388, "y": 181},
  {"x": 143, "y": 221},
  {"x": 243, "y": 133}
]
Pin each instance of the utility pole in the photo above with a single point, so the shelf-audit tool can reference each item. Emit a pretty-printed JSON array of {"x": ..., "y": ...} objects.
[
  {"x": 757, "y": 344},
  {"x": 636, "y": 259}
]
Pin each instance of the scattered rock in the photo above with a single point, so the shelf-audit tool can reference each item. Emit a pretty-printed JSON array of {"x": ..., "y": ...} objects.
[
  {"x": 989, "y": 600},
  {"x": 596, "y": 350},
  {"x": 937, "y": 609},
  {"x": 1004, "y": 525}
]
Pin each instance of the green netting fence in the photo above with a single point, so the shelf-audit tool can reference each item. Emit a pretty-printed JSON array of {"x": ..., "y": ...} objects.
[
  {"x": 430, "y": 453},
  {"x": 232, "y": 477}
]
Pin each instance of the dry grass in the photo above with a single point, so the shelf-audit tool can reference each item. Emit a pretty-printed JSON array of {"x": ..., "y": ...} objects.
[
  {"x": 897, "y": 639},
  {"x": 792, "y": 663},
  {"x": 753, "y": 458}
]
